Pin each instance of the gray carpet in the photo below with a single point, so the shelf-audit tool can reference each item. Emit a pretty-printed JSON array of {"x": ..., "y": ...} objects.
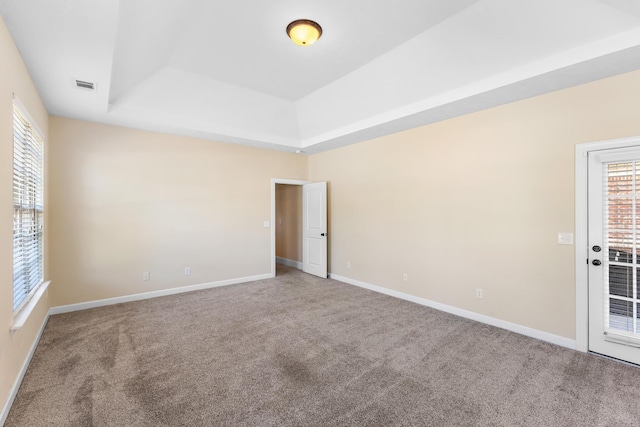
[{"x": 297, "y": 350}]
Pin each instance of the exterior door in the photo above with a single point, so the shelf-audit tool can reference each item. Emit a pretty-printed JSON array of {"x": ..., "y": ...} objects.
[
  {"x": 314, "y": 228},
  {"x": 614, "y": 249}
]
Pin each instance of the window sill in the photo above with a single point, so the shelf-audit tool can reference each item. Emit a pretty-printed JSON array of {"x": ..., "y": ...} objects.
[{"x": 20, "y": 318}]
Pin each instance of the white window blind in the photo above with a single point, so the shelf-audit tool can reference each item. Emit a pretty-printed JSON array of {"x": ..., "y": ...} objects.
[
  {"x": 622, "y": 231},
  {"x": 27, "y": 209}
]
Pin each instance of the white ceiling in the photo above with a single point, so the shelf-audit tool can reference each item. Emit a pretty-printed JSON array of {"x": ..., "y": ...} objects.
[{"x": 226, "y": 70}]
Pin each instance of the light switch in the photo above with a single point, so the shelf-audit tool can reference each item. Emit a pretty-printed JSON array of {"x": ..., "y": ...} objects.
[
  {"x": 267, "y": 224},
  {"x": 565, "y": 238}
]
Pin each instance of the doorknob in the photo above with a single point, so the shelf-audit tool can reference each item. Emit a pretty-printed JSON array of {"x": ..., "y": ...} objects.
[
  {"x": 596, "y": 262},
  {"x": 596, "y": 248},
  {"x": 324, "y": 234}
]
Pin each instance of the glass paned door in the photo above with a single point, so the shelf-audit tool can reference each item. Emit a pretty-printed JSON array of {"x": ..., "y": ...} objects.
[{"x": 614, "y": 246}]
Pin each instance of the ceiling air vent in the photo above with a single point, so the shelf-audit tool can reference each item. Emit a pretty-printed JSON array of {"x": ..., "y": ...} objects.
[{"x": 81, "y": 84}]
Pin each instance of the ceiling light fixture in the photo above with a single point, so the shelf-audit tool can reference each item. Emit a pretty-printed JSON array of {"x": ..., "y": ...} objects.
[{"x": 304, "y": 32}]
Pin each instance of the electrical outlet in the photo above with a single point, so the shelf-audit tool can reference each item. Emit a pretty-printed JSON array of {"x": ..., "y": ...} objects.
[
  {"x": 187, "y": 271},
  {"x": 348, "y": 264},
  {"x": 405, "y": 277},
  {"x": 479, "y": 293},
  {"x": 146, "y": 276}
]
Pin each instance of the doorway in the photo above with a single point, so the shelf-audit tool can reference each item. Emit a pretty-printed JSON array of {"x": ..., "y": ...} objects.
[
  {"x": 288, "y": 225},
  {"x": 610, "y": 301},
  {"x": 314, "y": 226},
  {"x": 275, "y": 182}
]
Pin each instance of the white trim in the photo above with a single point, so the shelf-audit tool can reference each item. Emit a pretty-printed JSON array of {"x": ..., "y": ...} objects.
[
  {"x": 275, "y": 181},
  {"x": 581, "y": 248},
  {"x": 582, "y": 231},
  {"x": 16, "y": 385},
  {"x": 21, "y": 316},
  {"x": 513, "y": 327},
  {"x": 289, "y": 262},
  {"x": 154, "y": 294},
  {"x": 621, "y": 338}
]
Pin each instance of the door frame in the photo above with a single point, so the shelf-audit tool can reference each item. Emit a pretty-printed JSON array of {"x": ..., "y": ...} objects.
[
  {"x": 274, "y": 182},
  {"x": 582, "y": 231}
]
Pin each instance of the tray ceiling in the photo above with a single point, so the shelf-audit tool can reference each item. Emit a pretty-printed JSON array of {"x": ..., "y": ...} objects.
[{"x": 226, "y": 71}]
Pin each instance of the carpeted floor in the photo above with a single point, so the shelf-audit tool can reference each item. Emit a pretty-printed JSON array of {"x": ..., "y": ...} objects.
[{"x": 301, "y": 351}]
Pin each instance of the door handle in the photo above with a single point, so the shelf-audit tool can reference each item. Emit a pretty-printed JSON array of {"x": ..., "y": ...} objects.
[
  {"x": 596, "y": 262},
  {"x": 324, "y": 234}
]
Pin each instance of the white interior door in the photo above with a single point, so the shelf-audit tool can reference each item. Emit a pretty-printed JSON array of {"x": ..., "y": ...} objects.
[
  {"x": 314, "y": 228},
  {"x": 614, "y": 247}
]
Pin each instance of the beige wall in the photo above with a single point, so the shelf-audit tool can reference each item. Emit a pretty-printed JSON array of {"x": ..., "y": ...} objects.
[
  {"x": 289, "y": 222},
  {"x": 475, "y": 202},
  {"x": 126, "y": 201},
  {"x": 14, "y": 78}
]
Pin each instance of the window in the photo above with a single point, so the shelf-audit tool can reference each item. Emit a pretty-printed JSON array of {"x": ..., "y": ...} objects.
[{"x": 27, "y": 209}]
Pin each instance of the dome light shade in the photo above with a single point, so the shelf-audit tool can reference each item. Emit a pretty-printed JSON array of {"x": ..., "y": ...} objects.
[{"x": 304, "y": 32}]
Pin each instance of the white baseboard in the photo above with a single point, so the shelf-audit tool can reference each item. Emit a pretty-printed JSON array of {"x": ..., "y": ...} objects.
[
  {"x": 16, "y": 385},
  {"x": 513, "y": 327},
  {"x": 289, "y": 262},
  {"x": 154, "y": 294}
]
